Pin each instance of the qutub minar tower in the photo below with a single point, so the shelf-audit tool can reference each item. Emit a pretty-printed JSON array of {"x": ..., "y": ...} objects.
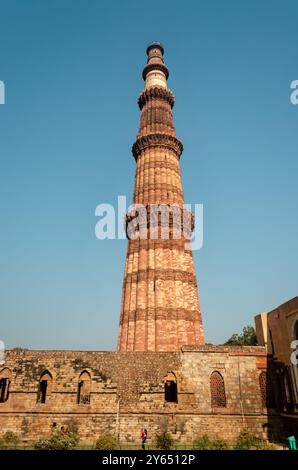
[{"x": 160, "y": 308}]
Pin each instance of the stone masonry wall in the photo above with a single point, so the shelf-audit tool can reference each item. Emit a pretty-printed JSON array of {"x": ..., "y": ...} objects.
[{"x": 137, "y": 379}]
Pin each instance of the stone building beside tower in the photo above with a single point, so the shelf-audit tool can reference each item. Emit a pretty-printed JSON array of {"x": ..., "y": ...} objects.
[{"x": 163, "y": 374}]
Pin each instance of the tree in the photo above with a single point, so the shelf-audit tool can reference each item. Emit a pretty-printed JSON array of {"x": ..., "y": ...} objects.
[{"x": 247, "y": 338}]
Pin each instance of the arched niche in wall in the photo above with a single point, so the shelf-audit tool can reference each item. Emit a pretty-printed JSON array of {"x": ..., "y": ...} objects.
[
  {"x": 84, "y": 388},
  {"x": 44, "y": 387},
  {"x": 171, "y": 388},
  {"x": 5, "y": 381}
]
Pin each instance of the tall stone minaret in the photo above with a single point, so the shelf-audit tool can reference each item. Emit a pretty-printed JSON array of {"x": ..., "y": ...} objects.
[{"x": 160, "y": 308}]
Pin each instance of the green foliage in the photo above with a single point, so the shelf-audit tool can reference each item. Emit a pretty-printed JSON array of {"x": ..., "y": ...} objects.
[
  {"x": 219, "y": 444},
  {"x": 247, "y": 338},
  {"x": 163, "y": 441},
  {"x": 247, "y": 441},
  {"x": 9, "y": 440},
  {"x": 202, "y": 443},
  {"x": 205, "y": 443},
  {"x": 58, "y": 441},
  {"x": 268, "y": 446},
  {"x": 106, "y": 442}
]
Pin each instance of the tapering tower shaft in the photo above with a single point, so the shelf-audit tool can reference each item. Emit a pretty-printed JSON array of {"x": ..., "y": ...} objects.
[{"x": 160, "y": 308}]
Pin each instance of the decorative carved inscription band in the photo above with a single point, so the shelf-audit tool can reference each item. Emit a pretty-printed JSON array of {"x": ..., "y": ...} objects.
[
  {"x": 155, "y": 140},
  {"x": 156, "y": 93}
]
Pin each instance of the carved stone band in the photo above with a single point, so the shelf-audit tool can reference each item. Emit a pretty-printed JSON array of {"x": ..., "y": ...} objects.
[
  {"x": 156, "y": 93},
  {"x": 157, "y": 140}
]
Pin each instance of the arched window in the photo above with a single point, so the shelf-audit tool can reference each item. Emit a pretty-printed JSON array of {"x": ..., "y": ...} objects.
[
  {"x": 287, "y": 388},
  {"x": 296, "y": 330},
  {"x": 295, "y": 367},
  {"x": 278, "y": 386},
  {"x": 5, "y": 380},
  {"x": 45, "y": 387},
  {"x": 218, "y": 393},
  {"x": 264, "y": 389},
  {"x": 288, "y": 398},
  {"x": 84, "y": 388},
  {"x": 170, "y": 387}
]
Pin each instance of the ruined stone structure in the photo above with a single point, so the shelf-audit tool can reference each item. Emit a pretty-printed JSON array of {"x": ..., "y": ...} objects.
[
  {"x": 160, "y": 308},
  {"x": 163, "y": 375},
  {"x": 278, "y": 332},
  {"x": 209, "y": 389}
]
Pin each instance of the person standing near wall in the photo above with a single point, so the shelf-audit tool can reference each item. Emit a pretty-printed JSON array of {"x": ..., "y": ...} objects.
[{"x": 143, "y": 438}]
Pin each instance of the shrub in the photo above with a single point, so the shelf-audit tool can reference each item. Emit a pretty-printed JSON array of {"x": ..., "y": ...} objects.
[
  {"x": 202, "y": 443},
  {"x": 219, "y": 444},
  {"x": 268, "y": 446},
  {"x": 106, "y": 442},
  {"x": 163, "y": 441},
  {"x": 9, "y": 440},
  {"x": 58, "y": 441},
  {"x": 247, "y": 441},
  {"x": 205, "y": 443}
]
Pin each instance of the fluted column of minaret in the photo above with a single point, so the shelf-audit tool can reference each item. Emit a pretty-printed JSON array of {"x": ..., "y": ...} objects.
[{"x": 160, "y": 308}]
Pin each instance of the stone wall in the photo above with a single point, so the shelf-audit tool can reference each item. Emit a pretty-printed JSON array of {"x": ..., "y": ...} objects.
[{"x": 128, "y": 392}]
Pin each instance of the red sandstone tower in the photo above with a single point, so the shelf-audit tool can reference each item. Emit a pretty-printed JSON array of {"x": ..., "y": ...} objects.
[{"x": 160, "y": 308}]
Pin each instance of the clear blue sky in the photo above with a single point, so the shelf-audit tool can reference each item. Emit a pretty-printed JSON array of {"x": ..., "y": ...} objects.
[{"x": 72, "y": 71}]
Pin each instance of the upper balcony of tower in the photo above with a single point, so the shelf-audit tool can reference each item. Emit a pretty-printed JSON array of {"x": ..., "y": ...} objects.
[
  {"x": 156, "y": 102},
  {"x": 155, "y": 72},
  {"x": 155, "y": 75}
]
